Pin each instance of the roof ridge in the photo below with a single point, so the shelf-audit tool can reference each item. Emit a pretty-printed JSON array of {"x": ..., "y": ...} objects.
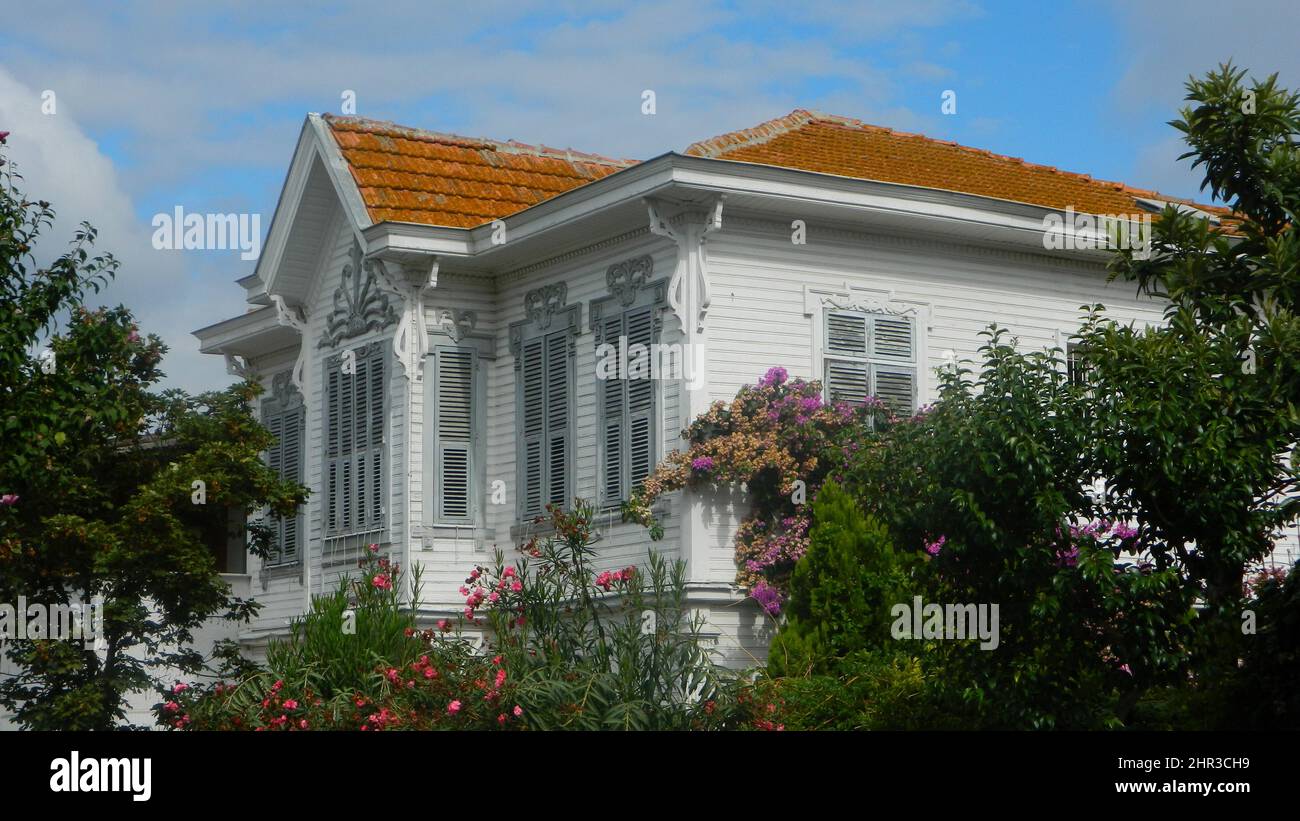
[{"x": 482, "y": 143}]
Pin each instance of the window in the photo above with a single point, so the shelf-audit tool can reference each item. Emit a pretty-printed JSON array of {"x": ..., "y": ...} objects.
[
  {"x": 1075, "y": 365},
  {"x": 870, "y": 354},
  {"x": 354, "y": 438},
  {"x": 544, "y": 393},
  {"x": 284, "y": 415},
  {"x": 543, "y": 350},
  {"x": 452, "y": 402},
  {"x": 626, "y": 405}
]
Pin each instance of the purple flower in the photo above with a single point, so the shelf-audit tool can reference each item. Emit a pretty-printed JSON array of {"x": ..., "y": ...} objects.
[
  {"x": 774, "y": 376},
  {"x": 702, "y": 463},
  {"x": 810, "y": 403},
  {"x": 9, "y": 499},
  {"x": 768, "y": 598},
  {"x": 1124, "y": 531},
  {"x": 934, "y": 547}
]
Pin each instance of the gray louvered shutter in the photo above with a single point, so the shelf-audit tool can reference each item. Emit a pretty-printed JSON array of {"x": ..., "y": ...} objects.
[
  {"x": 896, "y": 387},
  {"x": 558, "y": 379},
  {"x": 640, "y": 402},
  {"x": 333, "y": 450},
  {"x": 893, "y": 338},
  {"x": 613, "y": 406},
  {"x": 274, "y": 423},
  {"x": 848, "y": 376},
  {"x": 376, "y": 444},
  {"x": 291, "y": 469},
  {"x": 354, "y": 445},
  {"x": 359, "y": 500},
  {"x": 846, "y": 333},
  {"x": 533, "y": 411},
  {"x": 454, "y": 374}
]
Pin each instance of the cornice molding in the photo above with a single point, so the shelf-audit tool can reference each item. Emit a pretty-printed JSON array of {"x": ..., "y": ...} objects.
[
  {"x": 956, "y": 249},
  {"x": 608, "y": 242}
]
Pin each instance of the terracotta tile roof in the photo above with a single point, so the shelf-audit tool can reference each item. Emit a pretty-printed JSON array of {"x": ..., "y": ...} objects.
[
  {"x": 411, "y": 175},
  {"x": 829, "y": 144}
]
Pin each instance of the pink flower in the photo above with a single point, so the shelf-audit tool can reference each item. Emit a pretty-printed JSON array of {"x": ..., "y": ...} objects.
[
  {"x": 180, "y": 688},
  {"x": 516, "y": 586},
  {"x": 933, "y": 548},
  {"x": 171, "y": 706},
  {"x": 444, "y": 625},
  {"x": 290, "y": 704},
  {"x": 133, "y": 336},
  {"x": 494, "y": 597},
  {"x": 9, "y": 499},
  {"x": 501, "y": 678},
  {"x": 382, "y": 582},
  {"x": 518, "y": 711},
  {"x": 302, "y": 724},
  {"x": 453, "y": 708},
  {"x": 374, "y": 548}
]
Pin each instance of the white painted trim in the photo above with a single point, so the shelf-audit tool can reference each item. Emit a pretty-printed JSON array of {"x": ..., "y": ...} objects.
[{"x": 314, "y": 142}]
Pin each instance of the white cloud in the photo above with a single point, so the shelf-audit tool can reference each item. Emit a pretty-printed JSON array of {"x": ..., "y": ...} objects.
[{"x": 60, "y": 164}]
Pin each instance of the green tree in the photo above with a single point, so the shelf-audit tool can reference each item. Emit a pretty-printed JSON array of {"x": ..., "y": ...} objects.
[
  {"x": 842, "y": 590},
  {"x": 97, "y": 474},
  {"x": 1193, "y": 420}
]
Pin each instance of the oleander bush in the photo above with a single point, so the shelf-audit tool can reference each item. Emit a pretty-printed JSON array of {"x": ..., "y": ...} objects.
[{"x": 565, "y": 646}]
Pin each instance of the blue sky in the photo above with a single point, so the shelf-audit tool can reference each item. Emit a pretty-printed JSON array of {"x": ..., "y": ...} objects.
[{"x": 162, "y": 104}]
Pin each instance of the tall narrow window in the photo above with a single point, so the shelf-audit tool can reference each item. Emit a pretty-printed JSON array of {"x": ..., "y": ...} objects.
[
  {"x": 284, "y": 416},
  {"x": 543, "y": 351},
  {"x": 871, "y": 354},
  {"x": 355, "y": 436},
  {"x": 1076, "y": 367},
  {"x": 452, "y": 400},
  {"x": 627, "y": 392}
]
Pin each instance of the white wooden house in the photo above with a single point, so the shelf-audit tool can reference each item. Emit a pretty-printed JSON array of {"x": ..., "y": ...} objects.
[{"x": 426, "y": 312}]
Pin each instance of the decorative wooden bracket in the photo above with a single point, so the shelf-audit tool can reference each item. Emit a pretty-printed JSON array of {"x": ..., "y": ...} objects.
[
  {"x": 688, "y": 290},
  {"x": 238, "y": 366},
  {"x": 293, "y": 318},
  {"x": 412, "y": 283}
]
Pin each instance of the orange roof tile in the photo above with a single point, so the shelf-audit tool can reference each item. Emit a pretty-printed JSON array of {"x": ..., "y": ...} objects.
[
  {"x": 411, "y": 175},
  {"x": 829, "y": 144}
]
